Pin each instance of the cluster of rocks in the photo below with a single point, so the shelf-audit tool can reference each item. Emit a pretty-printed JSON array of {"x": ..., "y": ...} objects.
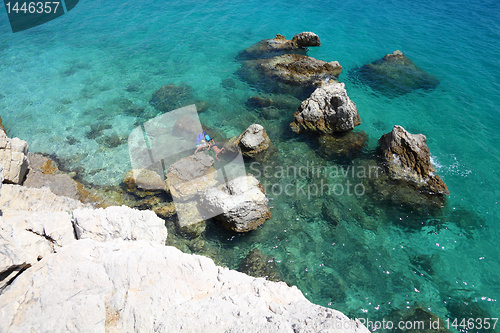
[
  {"x": 282, "y": 66},
  {"x": 330, "y": 115}
]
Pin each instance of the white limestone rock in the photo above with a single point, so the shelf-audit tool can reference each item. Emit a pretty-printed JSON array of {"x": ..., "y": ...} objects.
[
  {"x": 121, "y": 286},
  {"x": 27, "y": 237},
  {"x": 15, "y": 197},
  {"x": 1, "y": 177},
  {"x": 253, "y": 141},
  {"x": 13, "y": 158},
  {"x": 119, "y": 222}
]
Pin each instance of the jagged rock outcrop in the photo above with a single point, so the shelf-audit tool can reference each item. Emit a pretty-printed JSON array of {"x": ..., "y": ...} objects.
[
  {"x": 280, "y": 45},
  {"x": 33, "y": 224},
  {"x": 306, "y": 39},
  {"x": 241, "y": 205},
  {"x": 119, "y": 222},
  {"x": 13, "y": 158},
  {"x": 139, "y": 286},
  {"x": 394, "y": 75},
  {"x": 295, "y": 74},
  {"x": 327, "y": 110},
  {"x": 406, "y": 157},
  {"x": 253, "y": 140}
]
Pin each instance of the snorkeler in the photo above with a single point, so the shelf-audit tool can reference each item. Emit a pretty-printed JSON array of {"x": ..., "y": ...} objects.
[{"x": 205, "y": 141}]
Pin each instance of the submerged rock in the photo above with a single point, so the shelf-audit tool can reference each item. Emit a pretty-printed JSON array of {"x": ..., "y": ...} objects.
[
  {"x": 395, "y": 74},
  {"x": 327, "y": 110},
  {"x": 257, "y": 264},
  {"x": 422, "y": 320},
  {"x": 290, "y": 73},
  {"x": 278, "y": 101},
  {"x": 171, "y": 97},
  {"x": 13, "y": 158},
  {"x": 242, "y": 201},
  {"x": 407, "y": 158},
  {"x": 344, "y": 145},
  {"x": 279, "y": 45},
  {"x": 273, "y": 106}
]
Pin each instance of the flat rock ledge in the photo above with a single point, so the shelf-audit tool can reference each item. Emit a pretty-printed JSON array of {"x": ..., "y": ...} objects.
[
  {"x": 138, "y": 286},
  {"x": 327, "y": 110},
  {"x": 406, "y": 157}
]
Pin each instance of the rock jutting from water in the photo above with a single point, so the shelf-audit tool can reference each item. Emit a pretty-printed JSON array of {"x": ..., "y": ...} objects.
[
  {"x": 242, "y": 201},
  {"x": 406, "y": 157},
  {"x": 327, "y": 110},
  {"x": 253, "y": 141},
  {"x": 395, "y": 74},
  {"x": 295, "y": 74},
  {"x": 280, "y": 45}
]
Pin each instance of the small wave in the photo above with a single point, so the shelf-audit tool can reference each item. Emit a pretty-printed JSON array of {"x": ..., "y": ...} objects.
[{"x": 453, "y": 167}]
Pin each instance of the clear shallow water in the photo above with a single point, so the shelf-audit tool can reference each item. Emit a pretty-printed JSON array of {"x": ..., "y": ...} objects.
[{"x": 103, "y": 58}]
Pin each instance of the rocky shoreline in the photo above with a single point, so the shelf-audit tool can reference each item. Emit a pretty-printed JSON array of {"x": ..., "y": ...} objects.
[{"x": 65, "y": 265}]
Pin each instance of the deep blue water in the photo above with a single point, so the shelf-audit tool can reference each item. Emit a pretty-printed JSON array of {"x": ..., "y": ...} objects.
[{"x": 60, "y": 78}]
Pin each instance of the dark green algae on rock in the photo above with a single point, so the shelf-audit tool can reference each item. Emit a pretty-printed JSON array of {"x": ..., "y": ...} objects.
[{"x": 394, "y": 75}]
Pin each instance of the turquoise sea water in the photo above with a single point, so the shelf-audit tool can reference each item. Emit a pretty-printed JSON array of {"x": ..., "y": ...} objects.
[{"x": 105, "y": 57}]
